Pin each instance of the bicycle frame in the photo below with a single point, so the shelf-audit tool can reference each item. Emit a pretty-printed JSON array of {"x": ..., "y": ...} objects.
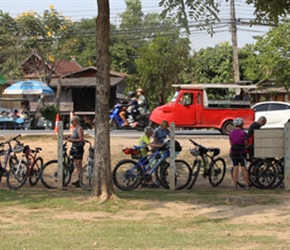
[
  {"x": 31, "y": 154},
  {"x": 214, "y": 168},
  {"x": 147, "y": 161},
  {"x": 7, "y": 153}
]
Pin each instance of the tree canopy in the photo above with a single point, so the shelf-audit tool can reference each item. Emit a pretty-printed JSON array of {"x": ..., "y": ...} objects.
[{"x": 273, "y": 55}]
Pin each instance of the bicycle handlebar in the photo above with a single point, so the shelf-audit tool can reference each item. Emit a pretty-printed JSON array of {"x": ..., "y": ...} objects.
[
  {"x": 194, "y": 143},
  {"x": 12, "y": 139},
  {"x": 85, "y": 141}
]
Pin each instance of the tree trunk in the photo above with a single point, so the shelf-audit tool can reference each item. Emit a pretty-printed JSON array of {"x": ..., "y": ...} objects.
[
  {"x": 58, "y": 92},
  {"x": 102, "y": 180},
  {"x": 37, "y": 114}
]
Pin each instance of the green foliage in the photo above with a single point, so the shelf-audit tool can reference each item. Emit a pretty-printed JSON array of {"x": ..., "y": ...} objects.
[
  {"x": 160, "y": 65},
  {"x": 85, "y": 46},
  {"x": 10, "y": 52},
  {"x": 270, "y": 11},
  {"x": 204, "y": 12},
  {"x": 49, "y": 35},
  {"x": 49, "y": 112},
  {"x": 213, "y": 64},
  {"x": 272, "y": 52}
]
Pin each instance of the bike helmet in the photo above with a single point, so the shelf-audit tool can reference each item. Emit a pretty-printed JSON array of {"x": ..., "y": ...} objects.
[
  {"x": 131, "y": 94},
  {"x": 238, "y": 122}
]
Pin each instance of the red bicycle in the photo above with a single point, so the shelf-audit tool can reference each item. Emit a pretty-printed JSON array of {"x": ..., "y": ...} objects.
[{"x": 35, "y": 164}]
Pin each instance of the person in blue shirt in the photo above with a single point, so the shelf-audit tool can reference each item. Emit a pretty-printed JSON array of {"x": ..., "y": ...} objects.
[{"x": 160, "y": 134}]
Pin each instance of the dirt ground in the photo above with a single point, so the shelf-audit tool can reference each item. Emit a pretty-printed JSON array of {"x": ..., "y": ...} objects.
[{"x": 238, "y": 206}]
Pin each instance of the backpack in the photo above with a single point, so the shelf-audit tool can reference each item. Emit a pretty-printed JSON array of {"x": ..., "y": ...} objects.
[{"x": 178, "y": 147}]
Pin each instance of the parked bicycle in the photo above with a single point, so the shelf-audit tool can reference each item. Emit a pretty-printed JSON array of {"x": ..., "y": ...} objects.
[
  {"x": 35, "y": 164},
  {"x": 18, "y": 172},
  {"x": 130, "y": 174},
  {"x": 86, "y": 175},
  {"x": 8, "y": 158},
  {"x": 49, "y": 173},
  {"x": 265, "y": 173},
  {"x": 205, "y": 158}
]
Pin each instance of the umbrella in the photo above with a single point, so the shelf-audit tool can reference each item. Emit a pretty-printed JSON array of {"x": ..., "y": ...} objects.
[{"x": 29, "y": 88}]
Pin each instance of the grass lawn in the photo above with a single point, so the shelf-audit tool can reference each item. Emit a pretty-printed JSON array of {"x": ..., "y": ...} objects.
[{"x": 142, "y": 219}]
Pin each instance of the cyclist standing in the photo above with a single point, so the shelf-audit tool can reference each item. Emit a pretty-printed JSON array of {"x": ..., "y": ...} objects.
[
  {"x": 77, "y": 139},
  {"x": 238, "y": 142}
]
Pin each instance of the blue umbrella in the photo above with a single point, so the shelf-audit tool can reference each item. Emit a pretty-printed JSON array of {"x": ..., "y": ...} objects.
[{"x": 29, "y": 88}]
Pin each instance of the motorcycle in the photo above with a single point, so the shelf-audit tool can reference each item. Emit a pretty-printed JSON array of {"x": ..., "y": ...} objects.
[{"x": 116, "y": 121}]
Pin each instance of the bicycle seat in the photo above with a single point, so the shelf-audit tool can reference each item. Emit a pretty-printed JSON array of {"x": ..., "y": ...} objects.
[{"x": 215, "y": 151}]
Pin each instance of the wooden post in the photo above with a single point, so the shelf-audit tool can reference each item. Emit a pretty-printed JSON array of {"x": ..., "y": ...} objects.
[
  {"x": 60, "y": 155},
  {"x": 287, "y": 156},
  {"x": 172, "y": 156}
]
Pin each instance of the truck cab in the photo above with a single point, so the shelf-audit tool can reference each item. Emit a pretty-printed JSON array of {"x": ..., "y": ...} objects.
[{"x": 190, "y": 107}]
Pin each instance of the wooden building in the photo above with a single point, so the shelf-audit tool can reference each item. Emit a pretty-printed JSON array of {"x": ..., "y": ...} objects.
[
  {"x": 77, "y": 86},
  {"x": 267, "y": 91}
]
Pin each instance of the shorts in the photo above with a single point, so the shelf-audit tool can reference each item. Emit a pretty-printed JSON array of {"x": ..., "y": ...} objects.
[
  {"x": 77, "y": 152},
  {"x": 238, "y": 159}
]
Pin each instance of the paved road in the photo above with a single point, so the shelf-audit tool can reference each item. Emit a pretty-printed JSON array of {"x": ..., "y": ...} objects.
[{"x": 119, "y": 133}]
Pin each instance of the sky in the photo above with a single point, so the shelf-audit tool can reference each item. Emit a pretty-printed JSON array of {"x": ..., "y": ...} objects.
[{"x": 199, "y": 39}]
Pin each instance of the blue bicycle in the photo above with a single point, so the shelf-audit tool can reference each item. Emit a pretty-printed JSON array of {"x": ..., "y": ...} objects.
[{"x": 129, "y": 174}]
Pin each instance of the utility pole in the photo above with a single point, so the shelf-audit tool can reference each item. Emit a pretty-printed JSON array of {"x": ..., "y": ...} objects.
[{"x": 236, "y": 68}]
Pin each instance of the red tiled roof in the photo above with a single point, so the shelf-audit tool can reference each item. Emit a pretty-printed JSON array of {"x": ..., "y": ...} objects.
[
  {"x": 66, "y": 67},
  {"x": 93, "y": 68}
]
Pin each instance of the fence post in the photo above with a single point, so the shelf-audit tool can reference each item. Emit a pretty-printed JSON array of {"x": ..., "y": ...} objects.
[
  {"x": 287, "y": 156},
  {"x": 60, "y": 155},
  {"x": 172, "y": 156}
]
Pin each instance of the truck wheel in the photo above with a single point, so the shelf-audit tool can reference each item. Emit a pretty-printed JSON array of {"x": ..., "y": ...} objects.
[{"x": 227, "y": 127}]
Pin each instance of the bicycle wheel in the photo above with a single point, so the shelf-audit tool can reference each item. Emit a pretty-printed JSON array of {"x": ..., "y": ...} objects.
[
  {"x": 182, "y": 175},
  {"x": 269, "y": 173},
  {"x": 252, "y": 170},
  {"x": 35, "y": 171},
  {"x": 127, "y": 175},
  {"x": 194, "y": 173},
  {"x": 85, "y": 178},
  {"x": 217, "y": 170},
  {"x": 49, "y": 175},
  {"x": 159, "y": 173},
  {"x": 17, "y": 175}
]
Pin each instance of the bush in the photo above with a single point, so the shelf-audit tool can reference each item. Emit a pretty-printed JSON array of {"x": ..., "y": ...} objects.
[{"x": 49, "y": 112}]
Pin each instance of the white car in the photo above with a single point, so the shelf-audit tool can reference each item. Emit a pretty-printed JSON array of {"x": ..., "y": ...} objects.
[{"x": 277, "y": 113}]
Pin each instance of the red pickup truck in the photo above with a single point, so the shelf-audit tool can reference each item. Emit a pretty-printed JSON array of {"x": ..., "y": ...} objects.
[{"x": 190, "y": 107}]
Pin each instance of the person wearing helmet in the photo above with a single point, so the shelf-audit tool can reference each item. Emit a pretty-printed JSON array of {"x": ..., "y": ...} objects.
[
  {"x": 142, "y": 102},
  {"x": 238, "y": 142},
  {"x": 130, "y": 108}
]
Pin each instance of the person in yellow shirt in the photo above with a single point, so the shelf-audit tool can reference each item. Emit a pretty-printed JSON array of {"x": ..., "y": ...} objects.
[{"x": 144, "y": 142}]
